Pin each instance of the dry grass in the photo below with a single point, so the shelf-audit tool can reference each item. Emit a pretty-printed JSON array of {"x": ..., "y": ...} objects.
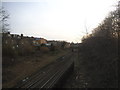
[{"x": 27, "y": 66}]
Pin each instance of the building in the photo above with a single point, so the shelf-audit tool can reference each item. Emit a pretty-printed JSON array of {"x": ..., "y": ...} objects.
[{"x": 39, "y": 41}]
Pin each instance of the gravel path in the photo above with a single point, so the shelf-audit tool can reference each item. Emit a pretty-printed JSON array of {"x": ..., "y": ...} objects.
[{"x": 77, "y": 78}]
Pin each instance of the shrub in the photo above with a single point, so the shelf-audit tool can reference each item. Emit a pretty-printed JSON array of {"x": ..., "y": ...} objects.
[
  {"x": 8, "y": 51},
  {"x": 25, "y": 47},
  {"x": 44, "y": 49},
  {"x": 52, "y": 47}
]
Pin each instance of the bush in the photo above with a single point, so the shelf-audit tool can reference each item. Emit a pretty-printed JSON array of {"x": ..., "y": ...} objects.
[
  {"x": 25, "y": 47},
  {"x": 52, "y": 47},
  {"x": 44, "y": 49},
  {"x": 8, "y": 51},
  {"x": 8, "y": 56}
]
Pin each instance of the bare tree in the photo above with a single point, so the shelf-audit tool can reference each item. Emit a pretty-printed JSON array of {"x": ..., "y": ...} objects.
[{"x": 4, "y": 25}]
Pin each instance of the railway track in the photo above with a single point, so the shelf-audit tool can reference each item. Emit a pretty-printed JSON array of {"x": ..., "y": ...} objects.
[{"x": 48, "y": 76}]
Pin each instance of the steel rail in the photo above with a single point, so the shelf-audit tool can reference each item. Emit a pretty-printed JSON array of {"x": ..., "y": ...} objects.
[{"x": 48, "y": 76}]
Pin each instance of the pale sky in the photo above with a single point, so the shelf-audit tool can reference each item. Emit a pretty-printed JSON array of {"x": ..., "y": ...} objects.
[{"x": 56, "y": 19}]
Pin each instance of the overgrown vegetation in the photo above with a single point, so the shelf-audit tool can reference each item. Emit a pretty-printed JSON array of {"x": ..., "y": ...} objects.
[{"x": 100, "y": 52}]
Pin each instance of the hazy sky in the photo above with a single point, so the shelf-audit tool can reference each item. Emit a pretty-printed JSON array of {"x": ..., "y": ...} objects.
[{"x": 56, "y": 19}]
